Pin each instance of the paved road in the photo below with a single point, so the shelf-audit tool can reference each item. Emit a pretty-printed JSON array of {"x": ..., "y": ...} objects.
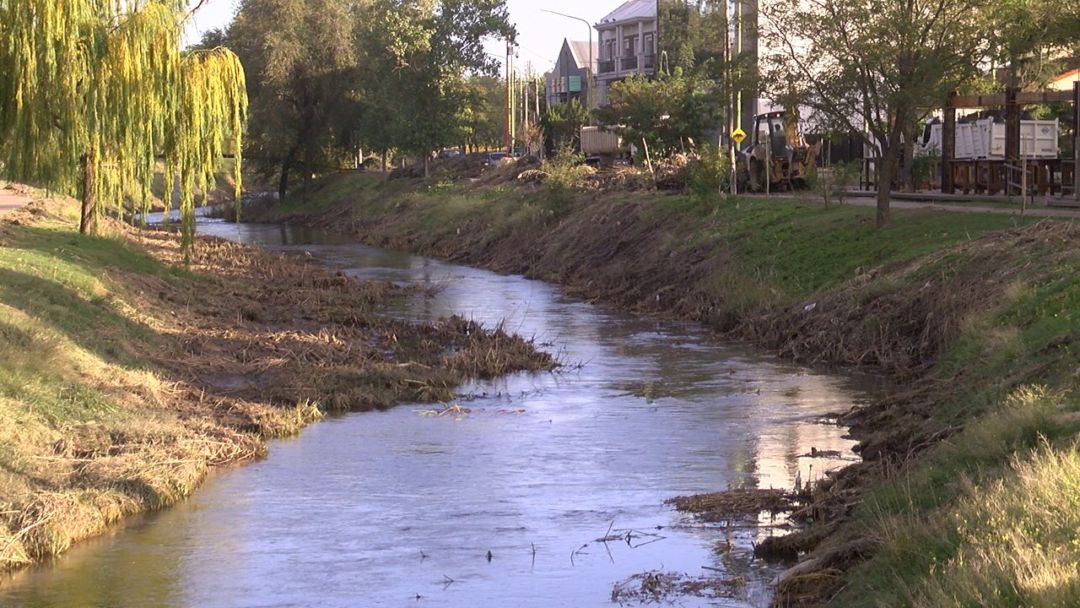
[
  {"x": 863, "y": 201},
  {"x": 968, "y": 208},
  {"x": 10, "y": 200}
]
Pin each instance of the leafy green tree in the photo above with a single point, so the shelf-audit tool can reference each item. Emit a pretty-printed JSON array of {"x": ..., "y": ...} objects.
[
  {"x": 1032, "y": 37},
  {"x": 417, "y": 54},
  {"x": 873, "y": 65},
  {"x": 667, "y": 113},
  {"x": 484, "y": 115},
  {"x": 692, "y": 31},
  {"x": 303, "y": 63},
  {"x": 562, "y": 124},
  {"x": 94, "y": 90},
  {"x": 680, "y": 22}
]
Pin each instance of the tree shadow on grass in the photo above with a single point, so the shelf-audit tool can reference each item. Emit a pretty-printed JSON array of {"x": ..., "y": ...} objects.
[
  {"x": 92, "y": 324},
  {"x": 92, "y": 253}
]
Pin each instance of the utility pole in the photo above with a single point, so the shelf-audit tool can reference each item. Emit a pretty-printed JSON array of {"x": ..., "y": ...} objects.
[
  {"x": 513, "y": 102},
  {"x": 739, "y": 47},
  {"x": 509, "y": 110},
  {"x": 729, "y": 113},
  {"x": 1076, "y": 140}
]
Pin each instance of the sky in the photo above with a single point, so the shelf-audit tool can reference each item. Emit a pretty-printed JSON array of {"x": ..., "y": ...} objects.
[{"x": 540, "y": 34}]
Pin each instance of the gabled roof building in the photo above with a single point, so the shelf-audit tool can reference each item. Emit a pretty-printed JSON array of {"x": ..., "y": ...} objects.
[{"x": 570, "y": 78}]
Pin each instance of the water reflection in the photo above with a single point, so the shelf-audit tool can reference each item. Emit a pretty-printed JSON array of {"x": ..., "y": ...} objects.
[{"x": 378, "y": 509}]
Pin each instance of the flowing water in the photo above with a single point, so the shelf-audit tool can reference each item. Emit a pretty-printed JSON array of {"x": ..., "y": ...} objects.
[{"x": 501, "y": 506}]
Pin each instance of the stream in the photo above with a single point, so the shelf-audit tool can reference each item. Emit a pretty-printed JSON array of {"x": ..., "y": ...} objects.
[{"x": 501, "y": 506}]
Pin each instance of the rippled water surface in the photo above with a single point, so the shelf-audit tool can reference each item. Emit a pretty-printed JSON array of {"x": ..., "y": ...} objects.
[{"x": 399, "y": 508}]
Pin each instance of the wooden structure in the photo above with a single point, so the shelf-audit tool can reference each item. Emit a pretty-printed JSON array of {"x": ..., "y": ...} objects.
[{"x": 1008, "y": 175}]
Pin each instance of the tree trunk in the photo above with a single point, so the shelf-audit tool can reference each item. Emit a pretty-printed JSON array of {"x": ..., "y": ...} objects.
[
  {"x": 427, "y": 166},
  {"x": 909, "y": 156},
  {"x": 384, "y": 154},
  {"x": 884, "y": 187},
  {"x": 283, "y": 181},
  {"x": 87, "y": 221},
  {"x": 885, "y": 180}
]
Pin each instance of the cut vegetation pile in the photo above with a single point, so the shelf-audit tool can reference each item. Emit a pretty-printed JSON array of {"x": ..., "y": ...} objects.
[
  {"x": 126, "y": 375},
  {"x": 968, "y": 492}
]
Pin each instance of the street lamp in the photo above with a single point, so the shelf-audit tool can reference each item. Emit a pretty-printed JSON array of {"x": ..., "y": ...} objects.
[{"x": 592, "y": 76}]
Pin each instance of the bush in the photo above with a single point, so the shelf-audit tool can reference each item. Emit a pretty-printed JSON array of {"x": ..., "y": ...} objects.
[
  {"x": 833, "y": 182},
  {"x": 563, "y": 170},
  {"x": 710, "y": 172},
  {"x": 924, "y": 169}
]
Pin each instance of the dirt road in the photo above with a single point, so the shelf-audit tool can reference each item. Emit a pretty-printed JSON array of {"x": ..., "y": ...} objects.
[{"x": 11, "y": 199}]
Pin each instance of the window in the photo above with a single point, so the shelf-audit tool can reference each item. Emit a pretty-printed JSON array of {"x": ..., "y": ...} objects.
[
  {"x": 649, "y": 44},
  {"x": 630, "y": 46},
  {"x": 609, "y": 49}
]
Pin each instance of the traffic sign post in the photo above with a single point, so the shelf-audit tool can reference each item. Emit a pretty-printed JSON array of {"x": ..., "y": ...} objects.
[{"x": 737, "y": 136}]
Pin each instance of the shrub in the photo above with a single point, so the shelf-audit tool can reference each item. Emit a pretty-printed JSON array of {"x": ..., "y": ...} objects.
[
  {"x": 563, "y": 171},
  {"x": 710, "y": 172},
  {"x": 833, "y": 182}
]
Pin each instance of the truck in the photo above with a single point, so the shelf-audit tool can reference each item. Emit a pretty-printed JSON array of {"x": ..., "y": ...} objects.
[
  {"x": 984, "y": 139},
  {"x": 601, "y": 146},
  {"x": 778, "y": 152}
]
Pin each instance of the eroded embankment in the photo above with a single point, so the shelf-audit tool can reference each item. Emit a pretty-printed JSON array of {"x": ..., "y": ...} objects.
[
  {"x": 127, "y": 374},
  {"x": 976, "y": 316}
]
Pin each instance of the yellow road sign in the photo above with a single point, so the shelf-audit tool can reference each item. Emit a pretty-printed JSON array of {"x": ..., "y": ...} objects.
[{"x": 738, "y": 135}]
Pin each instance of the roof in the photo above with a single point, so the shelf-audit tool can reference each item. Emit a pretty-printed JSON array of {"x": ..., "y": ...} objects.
[
  {"x": 632, "y": 10},
  {"x": 580, "y": 50},
  {"x": 1064, "y": 82}
]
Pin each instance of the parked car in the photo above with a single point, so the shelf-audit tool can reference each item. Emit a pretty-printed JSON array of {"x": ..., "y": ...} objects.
[
  {"x": 449, "y": 153},
  {"x": 494, "y": 158}
]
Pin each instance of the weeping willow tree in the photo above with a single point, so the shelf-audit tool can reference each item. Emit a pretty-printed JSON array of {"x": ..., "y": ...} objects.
[{"x": 93, "y": 92}]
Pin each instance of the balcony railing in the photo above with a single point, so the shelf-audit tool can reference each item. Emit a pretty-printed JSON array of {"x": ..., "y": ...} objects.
[
  {"x": 649, "y": 62},
  {"x": 629, "y": 63},
  {"x": 605, "y": 67}
]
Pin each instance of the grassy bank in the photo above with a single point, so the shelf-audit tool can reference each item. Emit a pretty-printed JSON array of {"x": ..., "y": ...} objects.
[
  {"x": 126, "y": 375},
  {"x": 968, "y": 493}
]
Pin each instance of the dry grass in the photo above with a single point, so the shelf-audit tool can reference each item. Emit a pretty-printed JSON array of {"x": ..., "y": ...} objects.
[{"x": 1020, "y": 539}]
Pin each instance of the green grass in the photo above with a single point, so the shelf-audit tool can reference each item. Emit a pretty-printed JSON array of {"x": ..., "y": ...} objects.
[
  {"x": 62, "y": 279},
  {"x": 988, "y": 519},
  {"x": 60, "y": 321},
  {"x": 804, "y": 248}
]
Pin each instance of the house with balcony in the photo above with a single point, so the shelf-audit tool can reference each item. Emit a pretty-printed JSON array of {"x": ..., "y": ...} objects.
[
  {"x": 627, "y": 42},
  {"x": 570, "y": 78}
]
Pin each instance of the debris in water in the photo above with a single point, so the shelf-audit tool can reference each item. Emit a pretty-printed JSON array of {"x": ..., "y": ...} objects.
[
  {"x": 454, "y": 410},
  {"x": 657, "y": 586},
  {"x": 721, "y": 506}
]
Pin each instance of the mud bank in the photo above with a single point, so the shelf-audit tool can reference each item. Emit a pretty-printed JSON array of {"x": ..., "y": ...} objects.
[
  {"x": 974, "y": 315},
  {"x": 127, "y": 374}
]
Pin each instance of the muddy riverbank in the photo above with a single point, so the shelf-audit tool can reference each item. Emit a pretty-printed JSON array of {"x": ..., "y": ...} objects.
[{"x": 128, "y": 375}]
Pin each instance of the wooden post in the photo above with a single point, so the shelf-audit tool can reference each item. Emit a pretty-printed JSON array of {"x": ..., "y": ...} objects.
[
  {"x": 948, "y": 146},
  {"x": 1012, "y": 137}
]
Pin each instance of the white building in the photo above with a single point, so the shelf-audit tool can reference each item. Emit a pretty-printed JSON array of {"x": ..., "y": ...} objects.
[{"x": 627, "y": 40}]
